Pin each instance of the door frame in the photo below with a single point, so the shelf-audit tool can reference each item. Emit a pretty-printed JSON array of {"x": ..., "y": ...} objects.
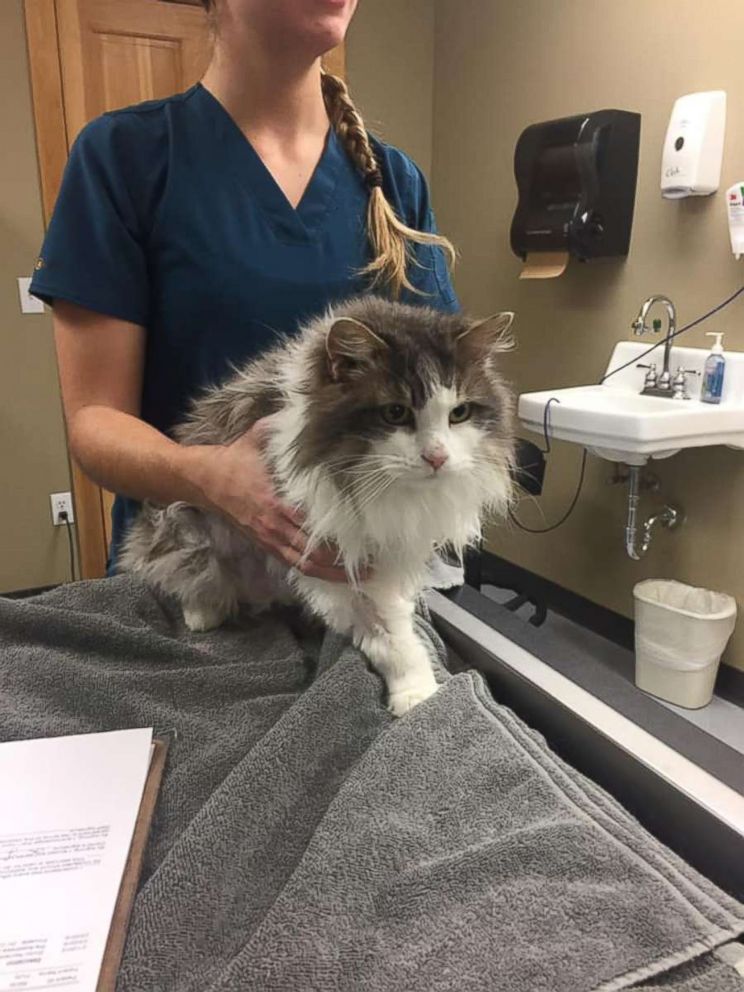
[
  {"x": 50, "y": 124},
  {"x": 92, "y": 503}
]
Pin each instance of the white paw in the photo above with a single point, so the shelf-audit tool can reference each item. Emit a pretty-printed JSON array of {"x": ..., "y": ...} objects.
[
  {"x": 200, "y": 619},
  {"x": 411, "y": 694}
]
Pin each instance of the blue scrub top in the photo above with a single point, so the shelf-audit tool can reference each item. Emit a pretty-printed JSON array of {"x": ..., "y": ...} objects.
[{"x": 167, "y": 217}]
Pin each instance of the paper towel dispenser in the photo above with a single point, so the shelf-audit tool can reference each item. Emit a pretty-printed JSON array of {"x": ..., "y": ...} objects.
[{"x": 577, "y": 180}]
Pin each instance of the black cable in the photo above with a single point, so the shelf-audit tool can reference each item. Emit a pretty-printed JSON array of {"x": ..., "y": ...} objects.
[
  {"x": 676, "y": 334},
  {"x": 566, "y": 515},
  {"x": 64, "y": 518},
  {"x": 546, "y": 451},
  {"x": 546, "y": 415}
]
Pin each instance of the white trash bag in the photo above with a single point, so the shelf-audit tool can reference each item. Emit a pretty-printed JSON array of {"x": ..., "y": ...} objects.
[{"x": 680, "y": 635}]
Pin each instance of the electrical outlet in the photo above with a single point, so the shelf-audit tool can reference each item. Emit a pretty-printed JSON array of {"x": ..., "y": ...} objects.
[
  {"x": 61, "y": 502},
  {"x": 29, "y": 304}
]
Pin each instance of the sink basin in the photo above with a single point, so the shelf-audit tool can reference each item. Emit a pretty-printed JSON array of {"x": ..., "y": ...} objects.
[{"x": 615, "y": 421}]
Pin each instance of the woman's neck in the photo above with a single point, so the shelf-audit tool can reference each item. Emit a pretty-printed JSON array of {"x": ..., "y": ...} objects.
[{"x": 264, "y": 91}]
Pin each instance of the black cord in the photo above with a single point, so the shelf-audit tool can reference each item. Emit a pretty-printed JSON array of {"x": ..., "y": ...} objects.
[
  {"x": 676, "y": 334},
  {"x": 546, "y": 451},
  {"x": 64, "y": 518},
  {"x": 546, "y": 417},
  {"x": 566, "y": 515}
]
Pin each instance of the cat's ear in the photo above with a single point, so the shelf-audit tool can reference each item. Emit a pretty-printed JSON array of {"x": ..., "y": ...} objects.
[
  {"x": 491, "y": 334},
  {"x": 351, "y": 348}
]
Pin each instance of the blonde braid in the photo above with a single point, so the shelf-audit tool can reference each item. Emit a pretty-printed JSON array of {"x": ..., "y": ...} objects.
[{"x": 389, "y": 238}]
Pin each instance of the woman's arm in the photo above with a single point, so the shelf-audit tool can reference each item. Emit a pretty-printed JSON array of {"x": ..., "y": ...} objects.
[{"x": 101, "y": 362}]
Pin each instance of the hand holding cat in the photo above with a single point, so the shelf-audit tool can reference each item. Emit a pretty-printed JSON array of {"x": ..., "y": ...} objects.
[{"x": 236, "y": 484}]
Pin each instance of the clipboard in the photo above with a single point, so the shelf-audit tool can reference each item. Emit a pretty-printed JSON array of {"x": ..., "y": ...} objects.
[{"x": 132, "y": 870}]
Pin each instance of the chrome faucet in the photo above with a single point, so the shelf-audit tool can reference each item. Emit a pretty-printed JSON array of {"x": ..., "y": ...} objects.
[{"x": 662, "y": 386}]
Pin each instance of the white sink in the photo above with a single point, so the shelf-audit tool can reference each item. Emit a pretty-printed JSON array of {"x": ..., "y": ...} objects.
[{"x": 614, "y": 421}]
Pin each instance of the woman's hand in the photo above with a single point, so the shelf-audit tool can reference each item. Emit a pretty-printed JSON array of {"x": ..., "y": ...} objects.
[{"x": 234, "y": 482}]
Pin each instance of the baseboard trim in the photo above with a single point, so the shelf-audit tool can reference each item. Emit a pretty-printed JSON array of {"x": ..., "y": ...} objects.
[
  {"x": 485, "y": 568},
  {"x": 493, "y": 570}
]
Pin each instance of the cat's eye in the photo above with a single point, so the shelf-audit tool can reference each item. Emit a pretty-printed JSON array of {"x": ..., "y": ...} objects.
[
  {"x": 396, "y": 414},
  {"x": 460, "y": 413}
]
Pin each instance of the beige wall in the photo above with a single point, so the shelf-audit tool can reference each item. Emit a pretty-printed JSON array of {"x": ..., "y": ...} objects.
[
  {"x": 501, "y": 66},
  {"x": 390, "y": 59},
  {"x": 33, "y": 461}
]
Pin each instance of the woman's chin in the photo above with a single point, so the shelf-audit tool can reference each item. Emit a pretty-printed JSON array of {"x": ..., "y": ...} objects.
[{"x": 328, "y": 40}]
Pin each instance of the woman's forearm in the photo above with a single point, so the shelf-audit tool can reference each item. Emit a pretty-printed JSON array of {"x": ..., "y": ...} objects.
[{"x": 125, "y": 455}]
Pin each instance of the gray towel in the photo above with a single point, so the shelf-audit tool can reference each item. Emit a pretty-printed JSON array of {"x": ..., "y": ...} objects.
[
  {"x": 306, "y": 840},
  {"x": 705, "y": 974}
]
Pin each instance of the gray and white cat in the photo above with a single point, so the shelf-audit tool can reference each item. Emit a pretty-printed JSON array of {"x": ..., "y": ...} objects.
[{"x": 391, "y": 428}]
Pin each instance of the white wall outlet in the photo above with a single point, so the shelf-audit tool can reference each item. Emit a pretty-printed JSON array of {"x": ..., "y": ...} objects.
[
  {"x": 29, "y": 304},
  {"x": 61, "y": 502}
]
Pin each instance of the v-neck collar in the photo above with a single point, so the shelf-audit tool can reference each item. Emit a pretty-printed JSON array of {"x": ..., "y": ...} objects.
[{"x": 297, "y": 223}]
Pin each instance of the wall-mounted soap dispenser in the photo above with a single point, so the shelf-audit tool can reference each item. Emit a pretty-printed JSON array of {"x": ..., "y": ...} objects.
[
  {"x": 576, "y": 178},
  {"x": 693, "y": 147}
]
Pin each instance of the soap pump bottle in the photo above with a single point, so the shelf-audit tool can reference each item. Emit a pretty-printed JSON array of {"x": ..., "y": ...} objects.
[{"x": 715, "y": 366}]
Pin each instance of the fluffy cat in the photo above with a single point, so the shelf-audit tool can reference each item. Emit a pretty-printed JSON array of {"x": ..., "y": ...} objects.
[{"x": 391, "y": 428}]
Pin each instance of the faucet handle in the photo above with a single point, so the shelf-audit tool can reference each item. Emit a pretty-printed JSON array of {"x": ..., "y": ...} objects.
[
  {"x": 679, "y": 383},
  {"x": 651, "y": 376}
]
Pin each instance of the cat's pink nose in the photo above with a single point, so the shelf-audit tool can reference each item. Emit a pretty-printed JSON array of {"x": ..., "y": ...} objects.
[{"x": 435, "y": 458}]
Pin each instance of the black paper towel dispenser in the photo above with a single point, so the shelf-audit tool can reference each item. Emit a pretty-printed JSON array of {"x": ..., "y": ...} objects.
[{"x": 577, "y": 180}]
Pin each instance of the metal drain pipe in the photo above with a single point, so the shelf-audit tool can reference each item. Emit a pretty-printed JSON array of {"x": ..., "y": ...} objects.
[{"x": 668, "y": 516}]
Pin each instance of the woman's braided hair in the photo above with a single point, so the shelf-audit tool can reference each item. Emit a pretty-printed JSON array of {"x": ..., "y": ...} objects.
[{"x": 390, "y": 239}]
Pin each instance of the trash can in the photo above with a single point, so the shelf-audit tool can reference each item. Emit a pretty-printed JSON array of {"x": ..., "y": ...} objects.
[{"x": 680, "y": 635}]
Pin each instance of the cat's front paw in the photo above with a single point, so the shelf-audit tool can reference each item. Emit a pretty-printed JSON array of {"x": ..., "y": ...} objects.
[
  {"x": 200, "y": 619},
  {"x": 404, "y": 698}
]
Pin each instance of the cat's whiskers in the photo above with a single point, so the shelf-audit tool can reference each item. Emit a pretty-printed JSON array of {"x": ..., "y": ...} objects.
[
  {"x": 375, "y": 493},
  {"x": 366, "y": 480},
  {"x": 352, "y": 459},
  {"x": 356, "y": 463},
  {"x": 529, "y": 498},
  {"x": 382, "y": 461},
  {"x": 359, "y": 482},
  {"x": 358, "y": 490},
  {"x": 370, "y": 465},
  {"x": 489, "y": 463}
]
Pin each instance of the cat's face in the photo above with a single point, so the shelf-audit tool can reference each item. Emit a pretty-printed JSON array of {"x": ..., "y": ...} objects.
[{"x": 403, "y": 397}]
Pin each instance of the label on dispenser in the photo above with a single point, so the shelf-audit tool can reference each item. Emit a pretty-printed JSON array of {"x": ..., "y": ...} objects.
[
  {"x": 736, "y": 202},
  {"x": 713, "y": 382},
  {"x": 735, "y": 205}
]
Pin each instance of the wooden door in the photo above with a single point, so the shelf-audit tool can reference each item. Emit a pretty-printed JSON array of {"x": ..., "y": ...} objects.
[{"x": 86, "y": 57}]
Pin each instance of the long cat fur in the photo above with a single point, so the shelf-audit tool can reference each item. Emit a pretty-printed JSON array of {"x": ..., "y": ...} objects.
[{"x": 361, "y": 481}]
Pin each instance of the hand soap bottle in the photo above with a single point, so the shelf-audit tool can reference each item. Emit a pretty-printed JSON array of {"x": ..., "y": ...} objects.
[{"x": 715, "y": 366}]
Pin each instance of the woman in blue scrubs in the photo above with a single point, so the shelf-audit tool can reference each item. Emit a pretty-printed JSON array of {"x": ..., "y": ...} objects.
[{"x": 190, "y": 232}]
